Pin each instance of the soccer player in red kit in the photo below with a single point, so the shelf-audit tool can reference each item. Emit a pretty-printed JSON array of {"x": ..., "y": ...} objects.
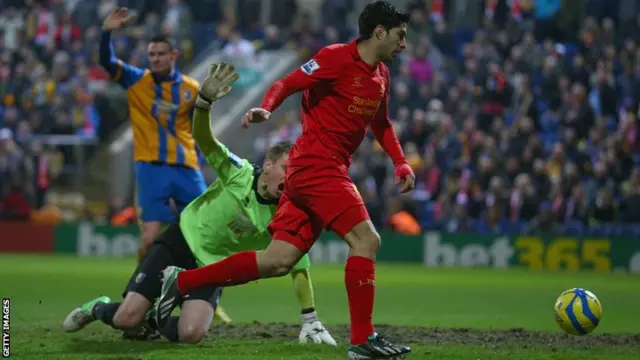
[{"x": 346, "y": 90}]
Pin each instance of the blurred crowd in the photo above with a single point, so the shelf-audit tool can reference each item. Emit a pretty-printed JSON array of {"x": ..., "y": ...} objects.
[
  {"x": 51, "y": 82},
  {"x": 516, "y": 115},
  {"x": 527, "y": 124}
]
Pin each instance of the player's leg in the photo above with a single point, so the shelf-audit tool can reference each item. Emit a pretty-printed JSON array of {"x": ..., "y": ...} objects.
[
  {"x": 237, "y": 269},
  {"x": 153, "y": 191},
  {"x": 195, "y": 318},
  {"x": 302, "y": 285},
  {"x": 198, "y": 306},
  {"x": 121, "y": 316},
  {"x": 142, "y": 289},
  {"x": 82, "y": 316},
  {"x": 194, "y": 322},
  {"x": 149, "y": 230},
  {"x": 188, "y": 185},
  {"x": 143, "y": 286},
  {"x": 357, "y": 230},
  {"x": 293, "y": 234},
  {"x": 340, "y": 207}
]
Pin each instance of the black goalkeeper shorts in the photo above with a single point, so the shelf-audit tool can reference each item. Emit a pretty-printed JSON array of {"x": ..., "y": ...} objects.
[{"x": 170, "y": 248}]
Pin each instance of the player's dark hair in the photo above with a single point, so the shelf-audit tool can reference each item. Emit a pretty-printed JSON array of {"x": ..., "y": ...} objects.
[
  {"x": 161, "y": 38},
  {"x": 279, "y": 149},
  {"x": 379, "y": 13}
]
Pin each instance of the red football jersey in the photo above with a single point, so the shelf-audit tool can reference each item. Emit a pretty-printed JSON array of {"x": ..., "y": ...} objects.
[{"x": 343, "y": 96}]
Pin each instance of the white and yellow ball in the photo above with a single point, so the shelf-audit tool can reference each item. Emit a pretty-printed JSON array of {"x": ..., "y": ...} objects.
[{"x": 578, "y": 311}]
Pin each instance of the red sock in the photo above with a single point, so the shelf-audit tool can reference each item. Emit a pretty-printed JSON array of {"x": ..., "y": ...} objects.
[
  {"x": 359, "y": 277},
  {"x": 236, "y": 269}
]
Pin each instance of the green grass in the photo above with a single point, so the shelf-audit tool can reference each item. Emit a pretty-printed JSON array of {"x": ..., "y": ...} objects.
[{"x": 44, "y": 289}]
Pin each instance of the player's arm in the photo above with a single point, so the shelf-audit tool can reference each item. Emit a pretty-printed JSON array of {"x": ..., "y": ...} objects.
[
  {"x": 125, "y": 74},
  {"x": 325, "y": 66},
  {"x": 384, "y": 132},
  {"x": 201, "y": 128},
  {"x": 312, "y": 329},
  {"x": 218, "y": 156},
  {"x": 216, "y": 85}
]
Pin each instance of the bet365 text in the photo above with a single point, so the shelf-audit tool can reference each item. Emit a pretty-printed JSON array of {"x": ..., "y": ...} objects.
[{"x": 6, "y": 327}]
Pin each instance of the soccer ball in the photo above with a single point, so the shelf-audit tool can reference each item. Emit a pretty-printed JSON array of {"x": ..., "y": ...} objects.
[{"x": 578, "y": 311}]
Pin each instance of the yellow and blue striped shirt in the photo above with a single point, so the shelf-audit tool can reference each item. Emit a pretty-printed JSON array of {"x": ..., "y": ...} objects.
[{"x": 159, "y": 107}]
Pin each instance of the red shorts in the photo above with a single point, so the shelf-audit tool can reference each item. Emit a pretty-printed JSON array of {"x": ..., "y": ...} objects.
[{"x": 316, "y": 198}]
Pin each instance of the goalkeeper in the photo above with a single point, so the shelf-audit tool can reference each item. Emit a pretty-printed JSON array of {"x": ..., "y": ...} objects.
[{"x": 229, "y": 217}]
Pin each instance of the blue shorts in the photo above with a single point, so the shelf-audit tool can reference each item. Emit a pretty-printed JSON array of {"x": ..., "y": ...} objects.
[{"x": 156, "y": 184}]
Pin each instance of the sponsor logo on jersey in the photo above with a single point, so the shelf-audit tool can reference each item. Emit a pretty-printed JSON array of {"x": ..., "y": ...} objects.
[{"x": 166, "y": 107}]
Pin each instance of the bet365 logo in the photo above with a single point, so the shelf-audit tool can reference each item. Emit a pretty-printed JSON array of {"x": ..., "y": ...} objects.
[{"x": 437, "y": 253}]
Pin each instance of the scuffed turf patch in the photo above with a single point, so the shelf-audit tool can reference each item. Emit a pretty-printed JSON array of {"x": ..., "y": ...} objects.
[{"x": 416, "y": 335}]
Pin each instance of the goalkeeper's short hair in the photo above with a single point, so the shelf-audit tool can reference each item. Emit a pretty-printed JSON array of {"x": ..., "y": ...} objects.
[{"x": 279, "y": 149}]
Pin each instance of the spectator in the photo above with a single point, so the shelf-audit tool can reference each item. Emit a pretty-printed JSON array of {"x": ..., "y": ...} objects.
[
  {"x": 67, "y": 31},
  {"x": 272, "y": 39},
  {"x": 177, "y": 21},
  {"x": 458, "y": 221},
  {"x": 577, "y": 206},
  {"x": 493, "y": 222},
  {"x": 238, "y": 46},
  {"x": 11, "y": 158},
  {"x": 14, "y": 205},
  {"x": 11, "y": 25},
  {"x": 420, "y": 67},
  {"x": 605, "y": 208},
  {"x": 206, "y": 15}
]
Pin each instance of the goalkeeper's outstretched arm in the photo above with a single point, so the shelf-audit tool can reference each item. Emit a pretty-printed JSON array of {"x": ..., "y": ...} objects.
[
  {"x": 201, "y": 128},
  {"x": 216, "y": 85}
]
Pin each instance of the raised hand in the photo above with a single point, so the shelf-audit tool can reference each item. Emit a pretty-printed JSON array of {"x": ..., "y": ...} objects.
[
  {"x": 117, "y": 19},
  {"x": 216, "y": 85}
]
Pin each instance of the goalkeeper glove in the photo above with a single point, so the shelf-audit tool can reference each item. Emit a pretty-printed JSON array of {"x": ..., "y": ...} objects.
[
  {"x": 216, "y": 85},
  {"x": 313, "y": 331}
]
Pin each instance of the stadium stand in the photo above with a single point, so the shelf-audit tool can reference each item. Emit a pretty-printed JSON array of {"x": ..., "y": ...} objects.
[
  {"x": 512, "y": 119},
  {"x": 51, "y": 84},
  {"x": 521, "y": 125}
]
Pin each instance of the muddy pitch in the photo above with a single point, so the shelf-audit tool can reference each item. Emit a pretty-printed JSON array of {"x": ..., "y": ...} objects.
[{"x": 417, "y": 335}]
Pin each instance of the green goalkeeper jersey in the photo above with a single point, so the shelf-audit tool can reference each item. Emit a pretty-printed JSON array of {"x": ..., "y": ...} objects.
[{"x": 230, "y": 216}]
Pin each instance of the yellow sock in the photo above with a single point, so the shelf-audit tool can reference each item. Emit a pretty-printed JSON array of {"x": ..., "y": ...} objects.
[{"x": 303, "y": 288}]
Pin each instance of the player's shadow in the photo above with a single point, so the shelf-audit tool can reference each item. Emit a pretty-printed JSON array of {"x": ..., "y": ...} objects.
[{"x": 111, "y": 347}]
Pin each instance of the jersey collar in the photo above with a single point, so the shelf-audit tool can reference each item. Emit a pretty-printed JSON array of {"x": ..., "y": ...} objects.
[
  {"x": 353, "y": 49},
  {"x": 175, "y": 76},
  {"x": 257, "y": 170}
]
